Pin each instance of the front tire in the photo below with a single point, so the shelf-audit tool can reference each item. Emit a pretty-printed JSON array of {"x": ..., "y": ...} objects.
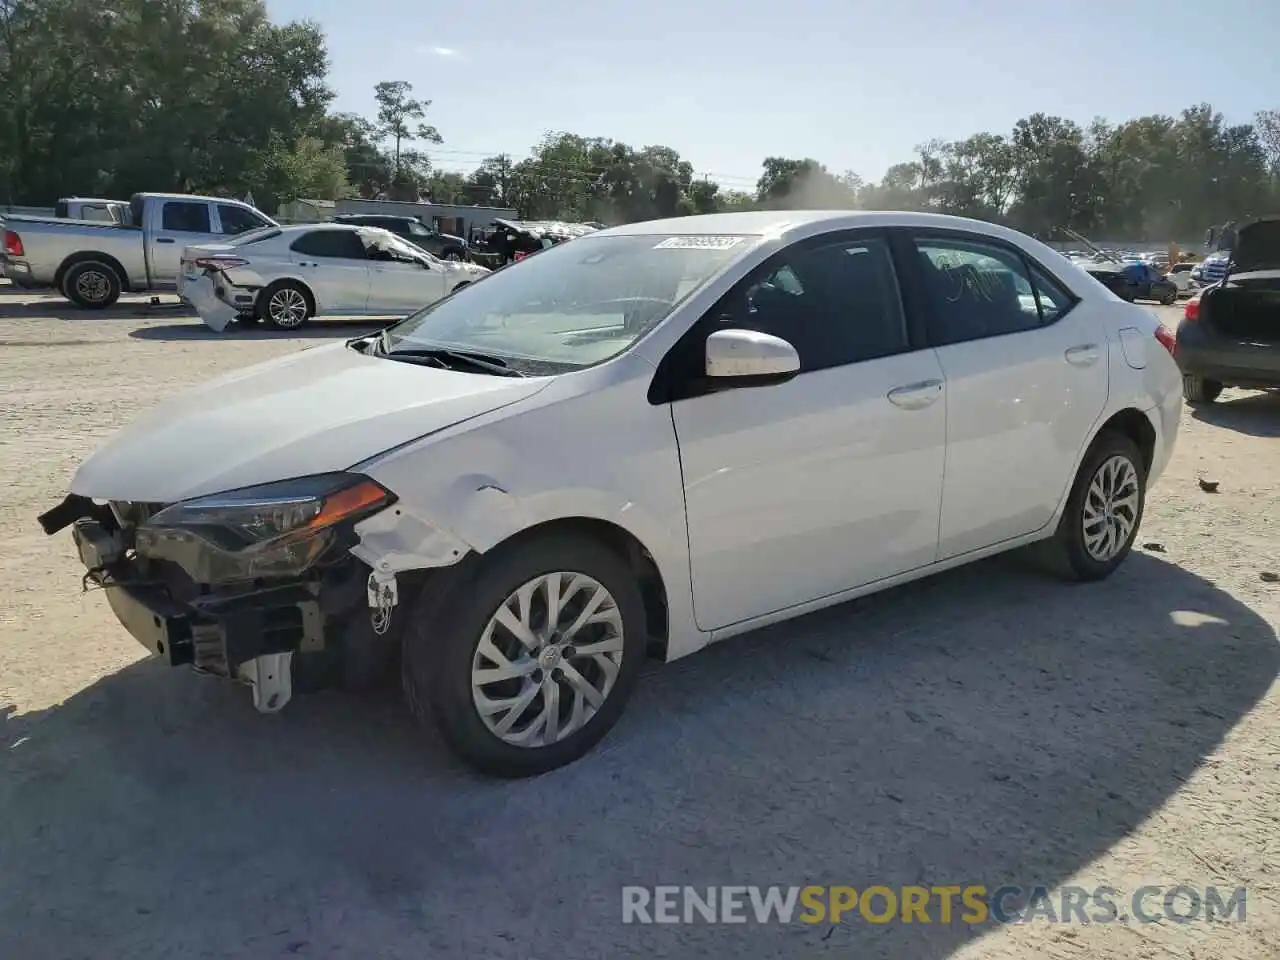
[
  {"x": 1198, "y": 390},
  {"x": 1104, "y": 510},
  {"x": 1169, "y": 297},
  {"x": 285, "y": 305},
  {"x": 532, "y": 659},
  {"x": 92, "y": 285}
]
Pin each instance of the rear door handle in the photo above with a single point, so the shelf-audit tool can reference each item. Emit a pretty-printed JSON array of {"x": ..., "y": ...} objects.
[
  {"x": 915, "y": 396},
  {"x": 165, "y": 240},
  {"x": 1083, "y": 355}
]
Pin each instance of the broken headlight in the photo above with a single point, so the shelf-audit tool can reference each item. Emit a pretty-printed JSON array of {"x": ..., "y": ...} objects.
[{"x": 272, "y": 530}]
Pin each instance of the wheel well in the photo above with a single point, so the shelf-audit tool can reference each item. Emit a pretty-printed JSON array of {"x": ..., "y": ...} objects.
[
  {"x": 1135, "y": 425},
  {"x": 464, "y": 283},
  {"x": 91, "y": 257},
  {"x": 623, "y": 542}
]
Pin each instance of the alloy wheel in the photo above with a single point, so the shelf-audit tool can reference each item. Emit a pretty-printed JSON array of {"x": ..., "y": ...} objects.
[
  {"x": 287, "y": 307},
  {"x": 1110, "y": 508},
  {"x": 547, "y": 659}
]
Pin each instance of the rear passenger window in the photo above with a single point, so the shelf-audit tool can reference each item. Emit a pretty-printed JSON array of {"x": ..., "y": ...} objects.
[
  {"x": 836, "y": 304},
  {"x": 340, "y": 244},
  {"x": 185, "y": 216},
  {"x": 1054, "y": 298},
  {"x": 976, "y": 290}
]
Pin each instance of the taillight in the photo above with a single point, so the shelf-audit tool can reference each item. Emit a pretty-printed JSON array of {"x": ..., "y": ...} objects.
[
  {"x": 13, "y": 244},
  {"x": 1192, "y": 311},
  {"x": 1168, "y": 339},
  {"x": 218, "y": 263}
]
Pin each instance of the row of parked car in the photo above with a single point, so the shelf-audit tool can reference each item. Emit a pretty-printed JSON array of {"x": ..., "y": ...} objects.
[{"x": 232, "y": 262}]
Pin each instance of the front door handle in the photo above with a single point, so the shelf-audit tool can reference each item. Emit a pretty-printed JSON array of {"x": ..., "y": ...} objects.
[
  {"x": 916, "y": 396},
  {"x": 1084, "y": 355},
  {"x": 165, "y": 240}
]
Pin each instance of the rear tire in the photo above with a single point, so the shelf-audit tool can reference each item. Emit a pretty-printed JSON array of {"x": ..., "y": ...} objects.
[
  {"x": 1103, "y": 512},
  {"x": 1198, "y": 390},
  {"x": 91, "y": 284},
  {"x": 451, "y": 642},
  {"x": 285, "y": 305}
]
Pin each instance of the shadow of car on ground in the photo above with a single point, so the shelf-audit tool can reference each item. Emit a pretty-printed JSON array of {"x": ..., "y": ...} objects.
[
  {"x": 987, "y": 725},
  {"x": 40, "y": 304},
  {"x": 1257, "y": 414}
]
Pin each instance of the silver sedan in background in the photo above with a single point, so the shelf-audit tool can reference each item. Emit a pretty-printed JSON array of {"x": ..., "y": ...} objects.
[{"x": 284, "y": 276}]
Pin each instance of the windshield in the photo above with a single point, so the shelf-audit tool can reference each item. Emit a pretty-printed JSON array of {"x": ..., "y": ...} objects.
[{"x": 573, "y": 305}]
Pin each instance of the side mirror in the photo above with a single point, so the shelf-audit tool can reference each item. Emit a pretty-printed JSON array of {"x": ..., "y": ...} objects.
[{"x": 749, "y": 358}]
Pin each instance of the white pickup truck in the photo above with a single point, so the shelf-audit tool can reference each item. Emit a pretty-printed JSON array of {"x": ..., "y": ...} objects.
[{"x": 92, "y": 262}]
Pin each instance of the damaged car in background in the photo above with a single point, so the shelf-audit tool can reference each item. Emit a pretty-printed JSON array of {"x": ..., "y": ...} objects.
[
  {"x": 513, "y": 240},
  {"x": 284, "y": 276},
  {"x": 1230, "y": 332},
  {"x": 630, "y": 446}
]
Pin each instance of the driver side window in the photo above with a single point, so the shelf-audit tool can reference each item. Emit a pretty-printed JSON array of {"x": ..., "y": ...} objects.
[{"x": 836, "y": 303}]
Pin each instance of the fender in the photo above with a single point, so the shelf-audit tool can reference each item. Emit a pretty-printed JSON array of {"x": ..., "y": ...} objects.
[{"x": 516, "y": 475}]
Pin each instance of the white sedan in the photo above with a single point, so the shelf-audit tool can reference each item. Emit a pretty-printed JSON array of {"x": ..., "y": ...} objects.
[
  {"x": 635, "y": 444},
  {"x": 284, "y": 276}
]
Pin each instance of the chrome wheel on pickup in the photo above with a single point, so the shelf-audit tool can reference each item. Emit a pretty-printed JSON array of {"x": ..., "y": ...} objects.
[{"x": 92, "y": 285}]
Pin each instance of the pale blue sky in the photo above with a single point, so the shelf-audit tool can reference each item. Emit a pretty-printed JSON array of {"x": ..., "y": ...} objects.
[{"x": 854, "y": 84}]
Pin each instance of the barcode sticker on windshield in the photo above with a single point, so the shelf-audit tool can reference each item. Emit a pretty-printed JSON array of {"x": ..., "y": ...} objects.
[{"x": 698, "y": 243}]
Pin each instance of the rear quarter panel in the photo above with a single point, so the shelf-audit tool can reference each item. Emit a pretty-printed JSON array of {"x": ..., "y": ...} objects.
[{"x": 1155, "y": 389}]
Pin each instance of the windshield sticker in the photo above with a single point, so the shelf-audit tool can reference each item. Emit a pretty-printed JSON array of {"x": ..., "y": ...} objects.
[{"x": 698, "y": 243}]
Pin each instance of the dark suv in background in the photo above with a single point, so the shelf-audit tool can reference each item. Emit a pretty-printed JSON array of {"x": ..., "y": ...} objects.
[{"x": 442, "y": 245}]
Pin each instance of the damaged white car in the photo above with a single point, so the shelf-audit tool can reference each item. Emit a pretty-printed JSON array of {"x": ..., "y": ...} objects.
[
  {"x": 631, "y": 445},
  {"x": 284, "y": 276}
]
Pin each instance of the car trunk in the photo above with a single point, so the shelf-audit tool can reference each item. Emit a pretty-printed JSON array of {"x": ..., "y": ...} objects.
[
  {"x": 1246, "y": 306},
  {"x": 1247, "y": 303}
]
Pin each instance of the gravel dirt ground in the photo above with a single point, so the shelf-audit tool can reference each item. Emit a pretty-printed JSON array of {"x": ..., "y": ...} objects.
[{"x": 986, "y": 726}]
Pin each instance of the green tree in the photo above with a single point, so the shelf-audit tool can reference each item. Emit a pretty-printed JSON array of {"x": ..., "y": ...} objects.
[
  {"x": 151, "y": 94},
  {"x": 397, "y": 113},
  {"x": 803, "y": 183}
]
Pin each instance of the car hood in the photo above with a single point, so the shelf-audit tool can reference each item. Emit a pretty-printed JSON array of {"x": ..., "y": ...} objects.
[
  {"x": 1257, "y": 246},
  {"x": 315, "y": 411}
]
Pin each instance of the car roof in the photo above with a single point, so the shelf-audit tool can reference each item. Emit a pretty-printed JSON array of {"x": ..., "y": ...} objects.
[{"x": 781, "y": 223}]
